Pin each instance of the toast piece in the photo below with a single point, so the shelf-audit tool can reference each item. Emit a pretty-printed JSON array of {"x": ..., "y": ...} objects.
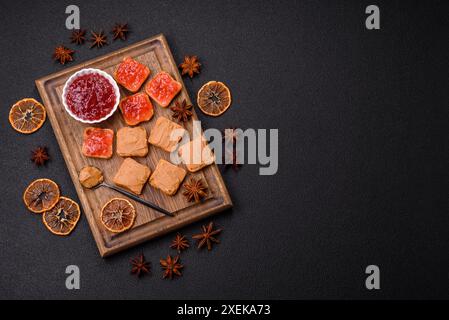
[
  {"x": 167, "y": 177},
  {"x": 97, "y": 142},
  {"x": 132, "y": 142},
  {"x": 132, "y": 176},
  {"x": 131, "y": 74},
  {"x": 163, "y": 88},
  {"x": 136, "y": 108},
  {"x": 166, "y": 134},
  {"x": 196, "y": 154}
]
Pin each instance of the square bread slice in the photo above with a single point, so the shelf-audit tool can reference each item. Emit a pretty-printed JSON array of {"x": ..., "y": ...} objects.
[
  {"x": 132, "y": 176},
  {"x": 196, "y": 154},
  {"x": 97, "y": 142},
  {"x": 166, "y": 134},
  {"x": 132, "y": 142},
  {"x": 163, "y": 88},
  {"x": 167, "y": 177},
  {"x": 136, "y": 108},
  {"x": 131, "y": 74}
]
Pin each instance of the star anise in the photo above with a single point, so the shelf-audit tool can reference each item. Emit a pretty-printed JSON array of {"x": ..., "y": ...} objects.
[
  {"x": 190, "y": 66},
  {"x": 195, "y": 190},
  {"x": 182, "y": 111},
  {"x": 234, "y": 164},
  {"x": 40, "y": 156},
  {"x": 231, "y": 137},
  {"x": 171, "y": 267},
  {"x": 207, "y": 236},
  {"x": 180, "y": 243},
  {"x": 140, "y": 266},
  {"x": 120, "y": 31},
  {"x": 98, "y": 39},
  {"x": 63, "y": 54},
  {"x": 78, "y": 36}
]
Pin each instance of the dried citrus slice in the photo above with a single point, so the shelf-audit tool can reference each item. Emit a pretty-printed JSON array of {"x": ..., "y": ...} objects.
[
  {"x": 27, "y": 115},
  {"x": 63, "y": 217},
  {"x": 118, "y": 215},
  {"x": 41, "y": 195},
  {"x": 214, "y": 98}
]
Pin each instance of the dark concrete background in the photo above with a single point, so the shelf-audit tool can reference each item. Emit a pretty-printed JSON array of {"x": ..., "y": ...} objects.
[{"x": 362, "y": 118}]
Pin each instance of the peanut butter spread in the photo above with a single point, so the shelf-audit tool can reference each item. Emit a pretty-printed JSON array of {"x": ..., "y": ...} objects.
[
  {"x": 132, "y": 176},
  {"x": 132, "y": 142},
  {"x": 166, "y": 134},
  {"x": 90, "y": 177},
  {"x": 167, "y": 177},
  {"x": 196, "y": 154}
]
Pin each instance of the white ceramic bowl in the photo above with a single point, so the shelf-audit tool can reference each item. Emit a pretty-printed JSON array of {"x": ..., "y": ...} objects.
[{"x": 84, "y": 72}]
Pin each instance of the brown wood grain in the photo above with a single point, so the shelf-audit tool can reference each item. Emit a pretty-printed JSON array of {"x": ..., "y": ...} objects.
[{"x": 155, "y": 53}]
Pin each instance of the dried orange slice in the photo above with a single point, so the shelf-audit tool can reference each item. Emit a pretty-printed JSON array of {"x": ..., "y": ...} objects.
[
  {"x": 118, "y": 215},
  {"x": 214, "y": 98},
  {"x": 63, "y": 217},
  {"x": 27, "y": 115},
  {"x": 41, "y": 195}
]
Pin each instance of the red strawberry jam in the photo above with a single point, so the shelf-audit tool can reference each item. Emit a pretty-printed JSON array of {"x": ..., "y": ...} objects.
[
  {"x": 97, "y": 142},
  {"x": 163, "y": 88},
  {"x": 131, "y": 74},
  {"x": 136, "y": 109},
  {"x": 91, "y": 97}
]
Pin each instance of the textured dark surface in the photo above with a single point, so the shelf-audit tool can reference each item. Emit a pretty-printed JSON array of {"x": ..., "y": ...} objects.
[{"x": 362, "y": 118}]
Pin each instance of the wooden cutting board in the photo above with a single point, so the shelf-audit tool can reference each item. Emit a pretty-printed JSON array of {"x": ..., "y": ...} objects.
[{"x": 155, "y": 53}]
